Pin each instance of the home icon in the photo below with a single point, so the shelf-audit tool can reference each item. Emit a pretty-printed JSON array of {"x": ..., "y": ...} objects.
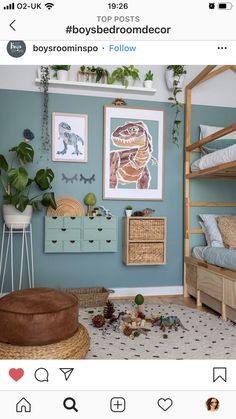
[{"x": 23, "y": 406}]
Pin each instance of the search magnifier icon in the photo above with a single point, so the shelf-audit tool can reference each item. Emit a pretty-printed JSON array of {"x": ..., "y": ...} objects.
[{"x": 70, "y": 404}]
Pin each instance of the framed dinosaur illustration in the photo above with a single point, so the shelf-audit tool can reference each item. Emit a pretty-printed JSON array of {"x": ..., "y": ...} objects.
[
  {"x": 133, "y": 153},
  {"x": 69, "y": 137}
]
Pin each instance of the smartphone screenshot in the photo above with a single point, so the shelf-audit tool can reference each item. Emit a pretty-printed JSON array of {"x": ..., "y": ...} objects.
[{"x": 118, "y": 209}]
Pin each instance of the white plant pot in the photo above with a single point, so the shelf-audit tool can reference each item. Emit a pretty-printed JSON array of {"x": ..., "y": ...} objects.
[
  {"x": 128, "y": 213},
  {"x": 62, "y": 75},
  {"x": 170, "y": 79},
  {"x": 15, "y": 219},
  {"x": 148, "y": 84}
]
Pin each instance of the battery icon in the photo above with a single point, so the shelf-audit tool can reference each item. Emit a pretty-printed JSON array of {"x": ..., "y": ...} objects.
[{"x": 225, "y": 6}]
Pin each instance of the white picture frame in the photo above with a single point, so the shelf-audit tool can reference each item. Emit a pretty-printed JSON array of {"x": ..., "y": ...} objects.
[
  {"x": 69, "y": 137},
  {"x": 133, "y": 163}
]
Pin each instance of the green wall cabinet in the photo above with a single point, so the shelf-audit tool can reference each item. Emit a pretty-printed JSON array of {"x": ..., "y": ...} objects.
[{"x": 80, "y": 234}]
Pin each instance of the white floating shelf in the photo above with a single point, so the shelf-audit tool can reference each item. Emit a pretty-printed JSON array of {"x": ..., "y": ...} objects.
[{"x": 99, "y": 86}]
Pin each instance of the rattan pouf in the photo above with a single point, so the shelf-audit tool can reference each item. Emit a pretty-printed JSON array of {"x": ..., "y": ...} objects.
[{"x": 75, "y": 347}]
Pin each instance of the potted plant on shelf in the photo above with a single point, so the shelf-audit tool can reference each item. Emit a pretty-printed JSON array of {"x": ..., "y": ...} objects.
[
  {"x": 128, "y": 210},
  {"x": 92, "y": 74},
  {"x": 18, "y": 186},
  {"x": 90, "y": 200},
  {"x": 178, "y": 73},
  {"x": 61, "y": 72},
  {"x": 148, "y": 80},
  {"x": 124, "y": 74}
]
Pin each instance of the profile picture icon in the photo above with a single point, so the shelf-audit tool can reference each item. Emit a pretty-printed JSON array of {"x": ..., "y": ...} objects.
[{"x": 212, "y": 404}]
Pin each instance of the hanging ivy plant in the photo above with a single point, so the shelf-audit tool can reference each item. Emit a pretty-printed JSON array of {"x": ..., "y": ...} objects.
[
  {"x": 178, "y": 73},
  {"x": 45, "y": 137}
]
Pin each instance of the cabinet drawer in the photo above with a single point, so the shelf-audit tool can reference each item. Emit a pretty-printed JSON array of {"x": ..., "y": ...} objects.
[
  {"x": 89, "y": 246},
  {"x": 53, "y": 222},
  {"x": 99, "y": 234},
  {"x": 72, "y": 246},
  {"x": 92, "y": 222},
  {"x": 146, "y": 229},
  {"x": 108, "y": 246},
  {"x": 210, "y": 283},
  {"x": 72, "y": 222},
  {"x": 108, "y": 222},
  {"x": 230, "y": 293},
  {"x": 53, "y": 246},
  {"x": 62, "y": 234}
]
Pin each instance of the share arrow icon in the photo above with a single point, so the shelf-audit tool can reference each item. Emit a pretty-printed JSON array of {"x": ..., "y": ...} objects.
[{"x": 67, "y": 372}]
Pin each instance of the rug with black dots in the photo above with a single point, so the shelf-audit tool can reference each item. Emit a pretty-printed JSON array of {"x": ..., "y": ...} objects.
[{"x": 208, "y": 336}]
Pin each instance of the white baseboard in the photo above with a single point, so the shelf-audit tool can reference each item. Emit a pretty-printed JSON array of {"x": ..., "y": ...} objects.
[{"x": 147, "y": 291}]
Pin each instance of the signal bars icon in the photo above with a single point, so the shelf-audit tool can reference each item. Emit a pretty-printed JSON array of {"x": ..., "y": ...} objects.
[
  {"x": 10, "y": 6},
  {"x": 49, "y": 5}
]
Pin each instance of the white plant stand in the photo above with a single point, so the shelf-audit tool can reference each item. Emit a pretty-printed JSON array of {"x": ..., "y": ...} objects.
[{"x": 7, "y": 255}]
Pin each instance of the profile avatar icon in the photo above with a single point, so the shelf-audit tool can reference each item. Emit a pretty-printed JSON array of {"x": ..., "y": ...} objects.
[
  {"x": 212, "y": 404},
  {"x": 211, "y": 5}
]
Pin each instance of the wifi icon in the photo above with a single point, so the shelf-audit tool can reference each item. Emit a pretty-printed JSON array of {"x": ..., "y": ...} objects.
[{"x": 49, "y": 5}]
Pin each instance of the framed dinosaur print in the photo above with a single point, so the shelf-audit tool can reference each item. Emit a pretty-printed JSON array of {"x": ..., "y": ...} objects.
[
  {"x": 133, "y": 153},
  {"x": 69, "y": 137}
]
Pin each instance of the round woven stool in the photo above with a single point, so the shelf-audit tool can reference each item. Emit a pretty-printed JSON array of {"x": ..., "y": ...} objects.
[{"x": 75, "y": 347}]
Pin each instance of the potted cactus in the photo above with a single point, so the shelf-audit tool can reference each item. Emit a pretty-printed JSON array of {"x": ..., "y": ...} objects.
[
  {"x": 148, "y": 80},
  {"x": 128, "y": 210}
]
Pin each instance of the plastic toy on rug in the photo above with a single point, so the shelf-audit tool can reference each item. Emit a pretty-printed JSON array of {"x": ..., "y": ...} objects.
[{"x": 168, "y": 323}]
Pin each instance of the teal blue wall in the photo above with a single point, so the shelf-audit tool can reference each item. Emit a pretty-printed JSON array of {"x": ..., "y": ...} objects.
[{"x": 21, "y": 110}]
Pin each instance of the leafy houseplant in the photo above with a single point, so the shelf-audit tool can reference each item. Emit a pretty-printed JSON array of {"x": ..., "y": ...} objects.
[
  {"x": 17, "y": 184},
  {"x": 61, "y": 71},
  {"x": 148, "y": 79},
  {"x": 123, "y": 74},
  {"x": 99, "y": 74},
  {"x": 178, "y": 73}
]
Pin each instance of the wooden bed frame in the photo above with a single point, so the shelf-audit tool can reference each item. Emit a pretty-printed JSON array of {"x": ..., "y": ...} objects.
[{"x": 209, "y": 284}]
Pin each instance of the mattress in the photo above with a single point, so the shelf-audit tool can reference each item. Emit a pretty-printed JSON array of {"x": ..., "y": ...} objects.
[
  {"x": 224, "y": 155},
  {"x": 198, "y": 252},
  {"x": 219, "y": 256}
]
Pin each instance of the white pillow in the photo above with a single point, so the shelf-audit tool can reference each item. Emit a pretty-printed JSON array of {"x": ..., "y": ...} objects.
[
  {"x": 219, "y": 143},
  {"x": 206, "y": 130},
  {"x": 206, "y": 233},
  {"x": 213, "y": 231}
]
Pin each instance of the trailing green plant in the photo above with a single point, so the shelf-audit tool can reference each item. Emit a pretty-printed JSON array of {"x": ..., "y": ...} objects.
[
  {"x": 178, "y": 71},
  {"x": 45, "y": 137},
  {"x": 122, "y": 73},
  {"x": 148, "y": 76},
  {"x": 16, "y": 183},
  {"x": 57, "y": 68}
]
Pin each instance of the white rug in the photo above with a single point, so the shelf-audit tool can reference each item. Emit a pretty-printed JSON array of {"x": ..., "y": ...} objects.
[{"x": 208, "y": 336}]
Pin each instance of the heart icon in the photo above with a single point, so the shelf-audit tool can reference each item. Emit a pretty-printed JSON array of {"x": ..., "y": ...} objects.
[
  {"x": 16, "y": 374},
  {"x": 165, "y": 404}
]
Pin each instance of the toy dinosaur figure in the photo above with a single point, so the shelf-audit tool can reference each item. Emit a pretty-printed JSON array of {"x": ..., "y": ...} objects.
[
  {"x": 168, "y": 323},
  {"x": 131, "y": 165}
]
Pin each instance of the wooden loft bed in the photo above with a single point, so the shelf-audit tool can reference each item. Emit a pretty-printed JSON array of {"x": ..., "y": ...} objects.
[{"x": 209, "y": 284}]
